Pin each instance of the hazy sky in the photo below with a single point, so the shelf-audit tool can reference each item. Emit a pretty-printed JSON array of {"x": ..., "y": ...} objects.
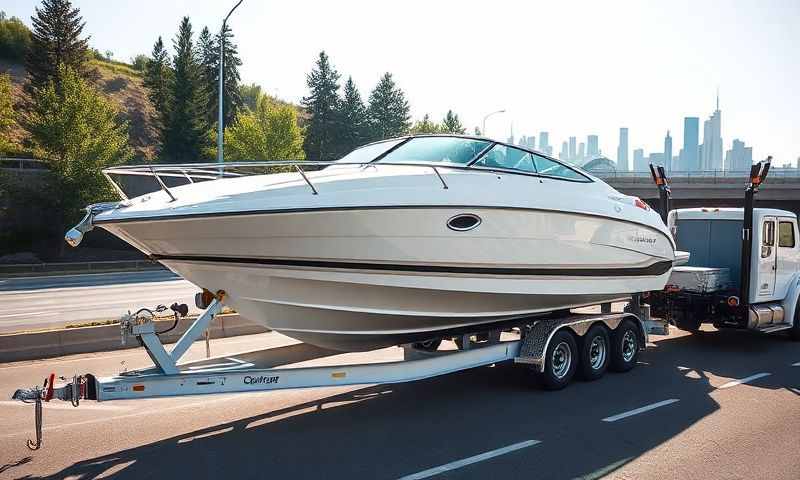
[{"x": 568, "y": 67}]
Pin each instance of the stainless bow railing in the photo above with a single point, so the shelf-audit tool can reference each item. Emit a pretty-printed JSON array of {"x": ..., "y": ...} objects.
[{"x": 194, "y": 172}]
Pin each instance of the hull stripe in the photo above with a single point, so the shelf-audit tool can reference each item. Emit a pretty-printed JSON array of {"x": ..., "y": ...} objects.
[{"x": 655, "y": 269}]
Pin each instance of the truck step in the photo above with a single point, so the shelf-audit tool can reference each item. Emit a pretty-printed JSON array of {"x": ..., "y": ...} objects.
[{"x": 774, "y": 327}]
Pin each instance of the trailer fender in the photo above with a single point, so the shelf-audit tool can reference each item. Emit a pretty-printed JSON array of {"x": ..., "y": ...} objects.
[
  {"x": 537, "y": 337},
  {"x": 790, "y": 301}
]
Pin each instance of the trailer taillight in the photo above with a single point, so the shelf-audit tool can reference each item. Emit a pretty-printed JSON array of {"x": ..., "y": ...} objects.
[
  {"x": 672, "y": 288},
  {"x": 733, "y": 301},
  {"x": 639, "y": 203}
]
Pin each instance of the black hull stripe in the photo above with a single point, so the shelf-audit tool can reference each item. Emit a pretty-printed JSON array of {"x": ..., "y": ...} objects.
[{"x": 655, "y": 269}]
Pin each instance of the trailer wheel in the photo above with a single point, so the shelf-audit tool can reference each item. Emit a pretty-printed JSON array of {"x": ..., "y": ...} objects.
[
  {"x": 561, "y": 361},
  {"x": 794, "y": 332},
  {"x": 430, "y": 345},
  {"x": 624, "y": 347},
  {"x": 595, "y": 353}
]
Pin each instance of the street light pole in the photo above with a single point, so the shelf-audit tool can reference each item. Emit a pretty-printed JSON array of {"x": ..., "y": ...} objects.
[
  {"x": 483, "y": 132},
  {"x": 220, "y": 126}
]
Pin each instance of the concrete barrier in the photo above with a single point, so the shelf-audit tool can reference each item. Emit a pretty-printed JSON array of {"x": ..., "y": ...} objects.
[{"x": 55, "y": 343}]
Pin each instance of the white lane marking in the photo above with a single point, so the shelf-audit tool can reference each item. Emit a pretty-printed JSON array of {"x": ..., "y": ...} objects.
[
  {"x": 796, "y": 364},
  {"x": 470, "y": 460},
  {"x": 62, "y": 406},
  {"x": 733, "y": 383},
  {"x": 639, "y": 410},
  {"x": 683, "y": 369},
  {"x": 30, "y": 314}
]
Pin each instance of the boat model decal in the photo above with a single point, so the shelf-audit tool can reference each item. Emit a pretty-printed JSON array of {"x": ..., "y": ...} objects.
[{"x": 657, "y": 268}]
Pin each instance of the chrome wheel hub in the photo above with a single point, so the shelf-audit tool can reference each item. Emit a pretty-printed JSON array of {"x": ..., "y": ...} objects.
[
  {"x": 629, "y": 345},
  {"x": 597, "y": 353},
  {"x": 561, "y": 360}
]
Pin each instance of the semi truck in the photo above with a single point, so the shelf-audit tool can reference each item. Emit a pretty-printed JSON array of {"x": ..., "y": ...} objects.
[{"x": 743, "y": 270}]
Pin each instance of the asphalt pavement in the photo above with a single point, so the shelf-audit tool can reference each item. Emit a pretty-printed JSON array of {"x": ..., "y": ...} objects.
[
  {"x": 31, "y": 303},
  {"x": 706, "y": 406}
]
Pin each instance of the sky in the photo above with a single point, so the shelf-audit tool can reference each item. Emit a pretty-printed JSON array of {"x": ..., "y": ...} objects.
[{"x": 572, "y": 68}]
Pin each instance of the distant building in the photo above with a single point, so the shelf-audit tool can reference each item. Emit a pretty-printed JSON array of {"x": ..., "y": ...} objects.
[
  {"x": 592, "y": 147},
  {"x": 654, "y": 159},
  {"x": 667, "y": 157},
  {"x": 712, "y": 141},
  {"x": 639, "y": 162},
  {"x": 564, "y": 155},
  {"x": 572, "y": 152},
  {"x": 622, "y": 150},
  {"x": 739, "y": 158},
  {"x": 581, "y": 153},
  {"x": 544, "y": 143},
  {"x": 689, "y": 160}
]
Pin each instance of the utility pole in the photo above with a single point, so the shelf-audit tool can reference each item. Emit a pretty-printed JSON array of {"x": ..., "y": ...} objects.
[{"x": 220, "y": 126}]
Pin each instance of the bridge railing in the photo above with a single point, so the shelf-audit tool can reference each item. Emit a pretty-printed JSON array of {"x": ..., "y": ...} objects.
[
  {"x": 23, "y": 164},
  {"x": 705, "y": 177}
]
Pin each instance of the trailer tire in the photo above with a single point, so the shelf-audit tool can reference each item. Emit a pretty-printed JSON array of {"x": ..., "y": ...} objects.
[
  {"x": 561, "y": 361},
  {"x": 430, "y": 345},
  {"x": 624, "y": 347},
  {"x": 595, "y": 353},
  {"x": 794, "y": 332}
]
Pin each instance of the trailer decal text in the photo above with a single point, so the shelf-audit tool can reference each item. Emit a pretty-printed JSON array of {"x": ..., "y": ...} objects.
[{"x": 248, "y": 380}]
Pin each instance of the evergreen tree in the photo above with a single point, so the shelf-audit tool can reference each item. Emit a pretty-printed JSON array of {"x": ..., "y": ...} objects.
[
  {"x": 158, "y": 80},
  {"x": 186, "y": 128},
  {"x": 56, "y": 40},
  {"x": 79, "y": 132},
  {"x": 426, "y": 126},
  {"x": 451, "y": 124},
  {"x": 322, "y": 104},
  {"x": 353, "y": 119},
  {"x": 250, "y": 95},
  {"x": 231, "y": 100},
  {"x": 388, "y": 110},
  {"x": 208, "y": 56}
]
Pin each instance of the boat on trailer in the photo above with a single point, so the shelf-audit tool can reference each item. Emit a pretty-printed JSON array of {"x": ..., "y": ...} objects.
[{"x": 400, "y": 241}]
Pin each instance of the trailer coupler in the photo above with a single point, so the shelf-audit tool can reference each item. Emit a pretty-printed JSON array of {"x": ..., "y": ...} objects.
[{"x": 72, "y": 392}]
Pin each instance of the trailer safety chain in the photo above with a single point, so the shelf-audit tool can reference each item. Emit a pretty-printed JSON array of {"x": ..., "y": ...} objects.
[{"x": 35, "y": 395}]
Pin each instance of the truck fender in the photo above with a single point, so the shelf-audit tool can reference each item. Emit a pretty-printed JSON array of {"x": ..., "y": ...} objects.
[{"x": 790, "y": 301}]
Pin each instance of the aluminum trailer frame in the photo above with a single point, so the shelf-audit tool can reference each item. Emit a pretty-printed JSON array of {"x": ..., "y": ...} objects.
[{"x": 229, "y": 374}]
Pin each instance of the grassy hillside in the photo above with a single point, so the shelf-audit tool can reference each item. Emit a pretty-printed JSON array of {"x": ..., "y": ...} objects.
[{"x": 123, "y": 85}]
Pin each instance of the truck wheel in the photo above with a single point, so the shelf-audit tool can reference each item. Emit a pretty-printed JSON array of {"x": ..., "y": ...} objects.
[
  {"x": 560, "y": 361},
  {"x": 624, "y": 347},
  {"x": 595, "y": 353},
  {"x": 430, "y": 345},
  {"x": 688, "y": 325},
  {"x": 794, "y": 332}
]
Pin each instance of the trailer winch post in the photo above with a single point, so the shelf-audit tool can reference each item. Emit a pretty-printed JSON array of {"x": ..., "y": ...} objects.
[
  {"x": 664, "y": 191},
  {"x": 758, "y": 173}
]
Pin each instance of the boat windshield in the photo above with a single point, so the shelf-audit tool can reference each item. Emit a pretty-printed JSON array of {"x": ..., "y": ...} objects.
[
  {"x": 368, "y": 153},
  {"x": 454, "y": 150}
]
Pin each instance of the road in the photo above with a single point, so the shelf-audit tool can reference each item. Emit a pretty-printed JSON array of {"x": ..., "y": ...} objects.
[
  {"x": 716, "y": 405},
  {"x": 45, "y": 302}
]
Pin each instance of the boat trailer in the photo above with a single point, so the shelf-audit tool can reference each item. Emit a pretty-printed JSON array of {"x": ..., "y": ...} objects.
[{"x": 527, "y": 343}]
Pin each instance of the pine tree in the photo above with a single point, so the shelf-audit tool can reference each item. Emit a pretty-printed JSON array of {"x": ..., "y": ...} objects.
[
  {"x": 250, "y": 95},
  {"x": 186, "y": 130},
  {"x": 451, "y": 124},
  {"x": 388, "y": 110},
  {"x": 321, "y": 134},
  {"x": 56, "y": 40},
  {"x": 354, "y": 130},
  {"x": 158, "y": 80},
  {"x": 208, "y": 56},
  {"x": 231, "y": 100}
]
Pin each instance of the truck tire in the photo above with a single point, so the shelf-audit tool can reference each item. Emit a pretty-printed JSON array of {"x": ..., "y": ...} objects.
[
  {"x": 794, "y": 332},
  {"x": 624, "y": 347},
  {"x": 595, "y": 353},
  {"x": 561, "y": 361},
  {"x": 430, "y": 345}
]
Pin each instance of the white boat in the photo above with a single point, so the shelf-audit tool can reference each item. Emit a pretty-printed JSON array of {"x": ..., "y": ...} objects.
[{"x": 401, "y": 240}]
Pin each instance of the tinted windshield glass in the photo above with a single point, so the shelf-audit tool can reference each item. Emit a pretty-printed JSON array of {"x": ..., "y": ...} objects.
[
  {"x": 437, "y": 149},
  {"x": 368, "y": 153},
  {"x": 545, "y": 166},
  {"x": 502, "y": 156}
]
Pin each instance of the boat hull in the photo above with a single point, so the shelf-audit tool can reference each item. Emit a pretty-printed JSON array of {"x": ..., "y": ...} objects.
[{"x": 364, "y": 278}]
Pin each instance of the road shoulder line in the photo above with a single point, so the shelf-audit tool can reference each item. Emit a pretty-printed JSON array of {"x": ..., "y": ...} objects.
[{"x": 639, "y": 410}]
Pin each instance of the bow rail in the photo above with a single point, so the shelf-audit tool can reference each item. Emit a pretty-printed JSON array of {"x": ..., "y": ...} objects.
[{"x": 187, "y": 173}]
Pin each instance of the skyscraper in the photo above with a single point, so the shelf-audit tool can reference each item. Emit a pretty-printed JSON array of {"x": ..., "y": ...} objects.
[
  {"x": 667, "y": 158},
  {"x": 581, "y": 156},
  {"x": 690, "y": 160},
  {"x": 712, "y": 141},
  {"x": 739, "y": 158},
  {"x": 572, "y": 152},
  {"x": 564, "y": 155},
  {"x": 639, "y": 163},
  {"x": 592, "y": 147},
  {"x": 622, "y": 150},
  {"x": 544, "y": 143}
]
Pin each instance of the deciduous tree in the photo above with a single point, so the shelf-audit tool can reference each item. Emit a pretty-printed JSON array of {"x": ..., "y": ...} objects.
[
  {"x": 426, "y": 126},
  {"x": 15, "y": 38},
  {"x": 270, "y": 132},
  {"x": 6, "y": 113}
]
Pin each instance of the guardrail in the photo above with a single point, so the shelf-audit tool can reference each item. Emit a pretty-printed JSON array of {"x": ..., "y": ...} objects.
[
  {"x": 25, "y": 269},
  {"x": 700, "y": 177},
  {"x": 23, "y": 164}
]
